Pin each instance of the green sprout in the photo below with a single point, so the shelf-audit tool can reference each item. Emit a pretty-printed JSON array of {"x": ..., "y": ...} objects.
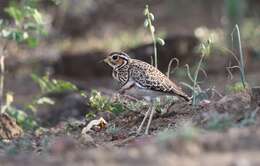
[
  {"x": 148, "y": 23},
  {"x": 236, "y": 87},
  {"x": 205, "y": 49}
]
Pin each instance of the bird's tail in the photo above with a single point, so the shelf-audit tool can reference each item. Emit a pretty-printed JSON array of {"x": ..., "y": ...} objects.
[{"x": 185, "y": 97}]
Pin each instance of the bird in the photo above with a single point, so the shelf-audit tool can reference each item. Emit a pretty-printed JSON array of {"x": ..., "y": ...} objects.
[{"x": 140, "y": 79}]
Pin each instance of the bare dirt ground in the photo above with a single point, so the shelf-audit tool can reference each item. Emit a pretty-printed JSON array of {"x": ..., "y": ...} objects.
[{"x": 223, "y": 132}]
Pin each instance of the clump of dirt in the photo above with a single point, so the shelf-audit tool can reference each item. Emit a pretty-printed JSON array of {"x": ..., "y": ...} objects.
[{"x": 8, "y": 127}]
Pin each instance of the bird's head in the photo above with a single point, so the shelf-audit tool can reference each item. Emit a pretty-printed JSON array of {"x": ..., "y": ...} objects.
[{"x": 117, "y": 59}]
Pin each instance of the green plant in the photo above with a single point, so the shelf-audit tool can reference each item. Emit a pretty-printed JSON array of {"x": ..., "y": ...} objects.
[
  {"x": 103, "y": 103},
  {"x": 22, "y": 118},
  {"x": 26, "y": 27},
  {"x": 28, "y": 23},
  {"x": 112, "y": 129},
  {"x": 205, "y": 49},
  {"x": 240, "y": 62},
  {"x": 135, "y": 105},
  {"x": 48, "y": 85},
  {"x": 236, "y": 87},
  {"x": 148, "y": 24}
]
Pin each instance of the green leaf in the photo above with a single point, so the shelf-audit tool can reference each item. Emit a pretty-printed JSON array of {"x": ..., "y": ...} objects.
[
  {"x": 45, "y": 100},
  {"x": 30, "y": 26},
  {"x": 25, "y": 35},
  {"x": 151, "y": 16},
  {"x": 17, "y": 36},
  {"x": 160, "y": 41},
  {"x": 48, "y": 85},
  {"x": 37, "y": 16},
  {"x": 6, "y": 33},
  {"x": 14, "y": 12},
  {"x": 32, "y": 42},
  {"x": 27, "y": 122},
  {"x": 187, "y": 85}
]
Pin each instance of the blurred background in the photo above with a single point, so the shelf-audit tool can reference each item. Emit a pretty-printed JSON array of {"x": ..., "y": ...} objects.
[{"x": 81, "y": 33}]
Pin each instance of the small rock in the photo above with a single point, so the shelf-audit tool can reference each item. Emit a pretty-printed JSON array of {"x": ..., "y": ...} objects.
[{"x": 8, "y": 127}]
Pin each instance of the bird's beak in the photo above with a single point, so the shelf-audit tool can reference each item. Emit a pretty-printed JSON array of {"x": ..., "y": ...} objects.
[{"x": 105, "y": 60}]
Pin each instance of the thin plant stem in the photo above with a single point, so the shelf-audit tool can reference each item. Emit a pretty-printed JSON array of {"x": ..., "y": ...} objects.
[
  {"x": 155, "y": 50},
  {"x": 152, "y": 30},
  {"x": 170, "y": 65},
  {"x": 242, "y": 66},
  {"x": 2, "y": 81},
  {"x": 2, "y": 76},
  {"x": 241, "y": 57},
  {"x": 195, "y": 80}
]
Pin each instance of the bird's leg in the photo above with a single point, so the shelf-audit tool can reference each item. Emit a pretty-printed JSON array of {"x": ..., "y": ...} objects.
[
  {"x": 150, "y": 118},
  {"x": 144, "y": 119}
]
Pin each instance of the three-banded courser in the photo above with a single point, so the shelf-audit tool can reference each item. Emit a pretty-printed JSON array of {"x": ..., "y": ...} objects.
[{"x": 139, "y": 78}]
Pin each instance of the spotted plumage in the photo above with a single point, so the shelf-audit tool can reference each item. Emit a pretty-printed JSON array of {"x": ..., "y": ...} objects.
[
  {"x": 142, "y": 75},
  {"x": 138, "y": 77},
  {"x": 121, "y": 74}
]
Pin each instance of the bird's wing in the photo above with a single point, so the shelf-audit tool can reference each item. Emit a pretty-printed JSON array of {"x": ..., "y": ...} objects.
[{"x": 149, "y": 77}]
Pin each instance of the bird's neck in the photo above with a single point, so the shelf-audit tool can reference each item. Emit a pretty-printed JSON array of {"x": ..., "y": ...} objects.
[{"x": 122, "y": 65}]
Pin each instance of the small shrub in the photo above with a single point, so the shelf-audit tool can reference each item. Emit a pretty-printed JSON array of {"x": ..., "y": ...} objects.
[
  {"x": 197, "y": 93},
  {"x": 23, "y": 119},
  {"x": 237, "y": 87},
  {"x": 103, "y": 103},
  {"x": 48, "y": 85},
  {"x": 28, "y": 23},
  {"x": 26, "y": 26}
]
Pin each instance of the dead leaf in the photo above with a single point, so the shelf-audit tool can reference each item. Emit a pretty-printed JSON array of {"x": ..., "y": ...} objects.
[{"x": 100, "y": 123}]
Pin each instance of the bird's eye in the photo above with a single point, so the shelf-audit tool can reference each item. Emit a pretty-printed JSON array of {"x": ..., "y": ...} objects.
[{"x": 115, "y": 57}]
